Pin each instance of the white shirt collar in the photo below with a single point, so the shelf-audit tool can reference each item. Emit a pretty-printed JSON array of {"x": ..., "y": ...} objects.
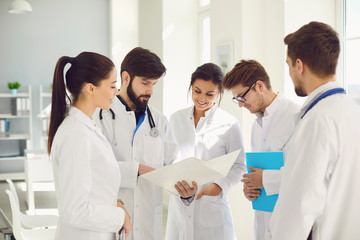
[
  {"x": 77, "y": 113},
  {"x": 207, "y": 112},
  {"x": 272, "y": 108}
]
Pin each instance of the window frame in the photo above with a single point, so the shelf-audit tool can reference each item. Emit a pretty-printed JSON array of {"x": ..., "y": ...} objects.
[{"x": 203, "y": 13}]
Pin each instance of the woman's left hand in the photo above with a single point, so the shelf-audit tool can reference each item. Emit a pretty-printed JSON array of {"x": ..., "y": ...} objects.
[
  {"x": 212, "y": 190},
  {"x": 185, "y": 190}
]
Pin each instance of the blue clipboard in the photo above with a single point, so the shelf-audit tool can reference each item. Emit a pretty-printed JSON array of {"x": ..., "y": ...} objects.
[{"x": 265, "y": 160}]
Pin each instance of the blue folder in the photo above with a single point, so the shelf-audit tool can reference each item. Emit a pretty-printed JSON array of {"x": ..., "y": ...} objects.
[{"x": 265, "y": 160}]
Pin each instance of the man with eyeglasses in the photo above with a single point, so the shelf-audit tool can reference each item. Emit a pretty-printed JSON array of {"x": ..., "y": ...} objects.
[{"x": 274, "y": 125}]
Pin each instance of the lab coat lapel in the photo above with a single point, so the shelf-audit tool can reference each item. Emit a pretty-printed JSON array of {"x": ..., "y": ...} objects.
[{"x": 203, "y": 126}]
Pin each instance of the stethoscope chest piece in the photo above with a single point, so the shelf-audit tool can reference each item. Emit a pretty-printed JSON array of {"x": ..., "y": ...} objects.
[{"x": 154, "y": 132}]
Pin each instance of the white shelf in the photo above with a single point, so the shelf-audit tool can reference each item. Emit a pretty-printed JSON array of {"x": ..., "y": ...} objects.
[
  {"x": 18, "y": 95},
  {"x": 8, "y": 115},
  {"x": 45, "y": 94},
  {"x": 14, "y": 167},
  {"x": 20, "y": 158},
  {"x": 12, "y": 176},
  {"x": 16, "y": 137}
]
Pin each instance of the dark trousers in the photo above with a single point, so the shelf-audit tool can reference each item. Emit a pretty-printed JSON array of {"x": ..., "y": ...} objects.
[{"x": 310, "y": 236}]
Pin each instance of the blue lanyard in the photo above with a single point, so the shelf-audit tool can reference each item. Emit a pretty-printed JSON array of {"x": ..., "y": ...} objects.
[{"x": 324, "y": 95}]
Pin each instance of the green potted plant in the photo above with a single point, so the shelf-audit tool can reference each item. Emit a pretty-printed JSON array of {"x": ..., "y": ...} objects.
[{"x": 13, "y": 86}]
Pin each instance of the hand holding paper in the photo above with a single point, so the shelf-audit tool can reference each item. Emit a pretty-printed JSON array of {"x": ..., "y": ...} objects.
[
  {"x": 185, "y": 191},
  {"x": 192, "y": 169}
]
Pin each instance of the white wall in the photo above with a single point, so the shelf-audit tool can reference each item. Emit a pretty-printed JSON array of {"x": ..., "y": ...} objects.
[
  {"x": 226, "y": 26},
  {"x": 180, "y": 52},
  {"x": 32, "y": 43},
  {"x": 150, "y": 37},
  {"x": 299, "y": 13},
  {"x": 124, "y": 29}
]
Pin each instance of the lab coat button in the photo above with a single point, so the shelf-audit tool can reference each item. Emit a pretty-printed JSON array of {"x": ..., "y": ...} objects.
[{"x": 137, "y": 205}]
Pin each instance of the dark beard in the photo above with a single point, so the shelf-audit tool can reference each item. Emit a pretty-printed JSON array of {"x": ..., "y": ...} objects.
[
  {"x": 300, "y": 92},
  {"x": 140, "y": 105}
]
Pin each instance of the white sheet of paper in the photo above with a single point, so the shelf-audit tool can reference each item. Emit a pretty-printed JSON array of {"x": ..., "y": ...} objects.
[{"x": 192, "y": 169}]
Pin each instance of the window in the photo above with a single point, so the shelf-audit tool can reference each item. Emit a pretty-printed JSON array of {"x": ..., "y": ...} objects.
[
  {"x": 205, "y": 40},
  {"x": 351, "y": 46},
  {"x": 204, "y": 3},
  {"x": 204, "y": 31}
]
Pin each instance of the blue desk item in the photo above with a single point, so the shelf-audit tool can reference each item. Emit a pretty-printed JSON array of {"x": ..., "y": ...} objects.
[{"x": 268, "y": 161}]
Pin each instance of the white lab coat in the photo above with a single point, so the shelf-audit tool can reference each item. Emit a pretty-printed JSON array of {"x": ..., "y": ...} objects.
[
  {"x": 87, "y": 180},
  {"x": 142, "y": 199},
  {"x": 319, "y": 187},
  {"x": 216, "y": 134},
  {"x": 270, "y": 133}
]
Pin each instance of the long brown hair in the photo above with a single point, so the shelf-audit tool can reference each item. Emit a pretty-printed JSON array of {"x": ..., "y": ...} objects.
[{"x": 87, "y": 67}]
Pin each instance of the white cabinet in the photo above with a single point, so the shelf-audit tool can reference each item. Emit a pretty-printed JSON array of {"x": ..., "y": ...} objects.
[
  {"x": 38, "y": 176},
  {"x": 16, "y": 110}
]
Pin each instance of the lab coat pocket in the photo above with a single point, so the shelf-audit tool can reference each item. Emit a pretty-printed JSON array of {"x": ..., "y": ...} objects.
[
  {"x": 158, "y": 222},
  {"x": 211, "y": 211},
  {"x": 153, "y": 151}
]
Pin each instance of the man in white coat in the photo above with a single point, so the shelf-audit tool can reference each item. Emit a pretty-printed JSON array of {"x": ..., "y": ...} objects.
[
  {"x": 141, "y": 140},
  {"x": 250, "y": 85},
  {"x": 319, "y": 190}
]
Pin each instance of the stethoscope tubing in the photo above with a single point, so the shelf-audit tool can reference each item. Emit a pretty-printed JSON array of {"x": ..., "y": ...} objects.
[{"x": 153, "y": 131}]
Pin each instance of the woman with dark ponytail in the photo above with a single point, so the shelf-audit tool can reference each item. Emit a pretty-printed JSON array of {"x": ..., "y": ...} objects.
[{"x": 86, "y": 174}]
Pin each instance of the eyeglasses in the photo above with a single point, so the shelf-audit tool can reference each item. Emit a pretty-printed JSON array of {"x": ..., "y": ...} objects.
[{"x": 242, "y": 97}]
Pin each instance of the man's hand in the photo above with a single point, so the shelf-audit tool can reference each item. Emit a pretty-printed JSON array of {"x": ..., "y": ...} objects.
[
  {"x": 253, "y": 180},
  {"x": 185, "y": 190},
  {"x": 144, "y": 169},
  {"x": 212, "y": 190},
  {"x": 127, "y": 222},
  {"x": 250, "y": 193}
]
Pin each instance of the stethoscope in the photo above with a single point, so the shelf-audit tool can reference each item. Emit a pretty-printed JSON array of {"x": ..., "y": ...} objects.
[
  {"x": 322, "y": 96},
  {"x": 154, "y": 132},
  {"x": 313, "y": 103}
]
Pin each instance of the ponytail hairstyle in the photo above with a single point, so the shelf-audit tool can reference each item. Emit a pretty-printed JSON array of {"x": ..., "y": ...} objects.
[{"x": 87, "y": 67}]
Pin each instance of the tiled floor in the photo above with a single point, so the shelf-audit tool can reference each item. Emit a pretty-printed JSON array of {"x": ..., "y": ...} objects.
[{"x": 43, "y": 200}]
